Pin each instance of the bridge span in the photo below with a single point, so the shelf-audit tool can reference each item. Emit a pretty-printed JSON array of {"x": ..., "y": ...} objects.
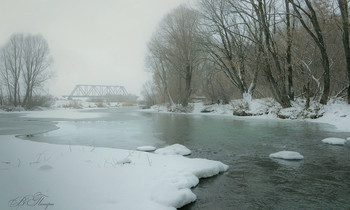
[{"x": 94, "y": 91}]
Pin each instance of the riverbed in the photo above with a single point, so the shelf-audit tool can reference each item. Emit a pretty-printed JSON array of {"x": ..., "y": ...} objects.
[{"x": 254, "y": 181}]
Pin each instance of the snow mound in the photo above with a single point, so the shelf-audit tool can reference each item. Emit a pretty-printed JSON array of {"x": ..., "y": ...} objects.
[
  {"x": 287, "y": 155},
  {"x": 348, "y": 139},
  {"x": 203, "y": 168},
  {"x": 175, "y": 191},
  {"x": 146, "y": 148},
  {"x": 175, "y": 149},
  {"x": 334, "y": 141}
]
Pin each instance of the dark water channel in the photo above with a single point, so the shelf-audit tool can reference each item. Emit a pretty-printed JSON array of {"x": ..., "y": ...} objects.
[{"x": 254, "y": 181}]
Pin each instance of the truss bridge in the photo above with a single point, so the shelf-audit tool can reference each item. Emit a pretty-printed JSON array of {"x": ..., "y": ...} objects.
[{"x": 94, "y": 91}]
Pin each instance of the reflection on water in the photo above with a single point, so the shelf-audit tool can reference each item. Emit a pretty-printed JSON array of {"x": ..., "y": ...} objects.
[{"x": 254, "y": 181}]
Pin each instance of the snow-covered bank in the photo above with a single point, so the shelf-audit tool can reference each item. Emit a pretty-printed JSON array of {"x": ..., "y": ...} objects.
[
  {"x": 79, "y": 177},
  {"x": 336, "y": 112}
]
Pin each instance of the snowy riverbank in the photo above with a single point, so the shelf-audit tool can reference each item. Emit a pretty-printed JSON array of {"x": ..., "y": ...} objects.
[
  {"x": 49, "y": 176},
  {"x": 336, "y": 112},
  {"x": 44, "y": 175}
]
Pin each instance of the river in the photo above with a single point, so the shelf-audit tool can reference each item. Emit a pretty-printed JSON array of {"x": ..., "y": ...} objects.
[{"x": 253, "y": 181}]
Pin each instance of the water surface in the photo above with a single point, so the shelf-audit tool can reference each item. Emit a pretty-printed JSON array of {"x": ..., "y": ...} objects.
[{"x": 254, "y": 181}]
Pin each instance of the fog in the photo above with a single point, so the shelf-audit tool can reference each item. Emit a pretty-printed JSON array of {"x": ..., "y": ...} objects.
[{"x": 91, "y": 41}]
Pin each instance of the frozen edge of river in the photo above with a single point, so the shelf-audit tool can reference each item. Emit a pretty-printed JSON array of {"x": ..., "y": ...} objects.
[
  {"x": 82, "y": 177},
  {"x": 336, "y": 113}
]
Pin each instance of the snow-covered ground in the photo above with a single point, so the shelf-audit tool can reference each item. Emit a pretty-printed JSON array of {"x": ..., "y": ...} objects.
[
  {"x": 35, "y": 175},
  {"x": 336, "y": 112}
]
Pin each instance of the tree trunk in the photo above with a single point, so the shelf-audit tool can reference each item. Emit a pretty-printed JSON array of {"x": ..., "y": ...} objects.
[
  {"x": 169, "y": 96},
  {"x": 188, "y": 89},
  {"x": 343, "y": 5},
  {"x": 279, "y": 90},
  {"x": 326, "y": 77},
  {"x": 289, "y": 53},
  {"x": 307, "y": 95}
]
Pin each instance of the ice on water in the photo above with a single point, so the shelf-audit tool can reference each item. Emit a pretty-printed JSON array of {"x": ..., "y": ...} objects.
[
  {"x": 287, "y": 155},
  {"x": 334, "y": 141}
]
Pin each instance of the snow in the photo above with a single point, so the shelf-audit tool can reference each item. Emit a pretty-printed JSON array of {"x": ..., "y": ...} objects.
[
  {"x": 81, "y": 177},
  {"x": 334, "y": 141},
  {"x": 175, "y": 149},
  {"x": 348, "y": 139},
  {"x": 287, "y": 155},
  {"x": 146, "y": 148},
  {"x": 336, "y": 112}
]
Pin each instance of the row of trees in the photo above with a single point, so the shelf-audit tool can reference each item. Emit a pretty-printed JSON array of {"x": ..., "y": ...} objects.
[
  {"x": 251, "y": 48},
  {"x": 24, "y": 67}
]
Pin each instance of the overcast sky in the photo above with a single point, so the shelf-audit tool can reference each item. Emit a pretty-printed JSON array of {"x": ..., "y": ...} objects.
[{"x": 91, "y": 41}]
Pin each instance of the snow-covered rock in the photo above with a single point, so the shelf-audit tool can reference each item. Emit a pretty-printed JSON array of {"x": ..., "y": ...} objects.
[
  {"x": 334, "y": 141},
  {"x": 287, "y": 155},
  {"x": 146, "y": 148},
  {"x": 175, "y": 149}
]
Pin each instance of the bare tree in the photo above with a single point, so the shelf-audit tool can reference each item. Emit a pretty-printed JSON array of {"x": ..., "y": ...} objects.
[
  {"x": 180, "y": 32},
  {"x": 343, "y": 5},
  {"x": 149, "y": 94},
  {"x": 24, "y": 60},
  {"x": 227, "y": 43},
  {"x": 12, "y": 66},
  {"x": 263, "y": 24},
  {"x": 285, "y": 48},
  {"x": 316, "y": 34},
  {"x": 36, "y": 59},
  {"x": 159, "y": 65}
]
